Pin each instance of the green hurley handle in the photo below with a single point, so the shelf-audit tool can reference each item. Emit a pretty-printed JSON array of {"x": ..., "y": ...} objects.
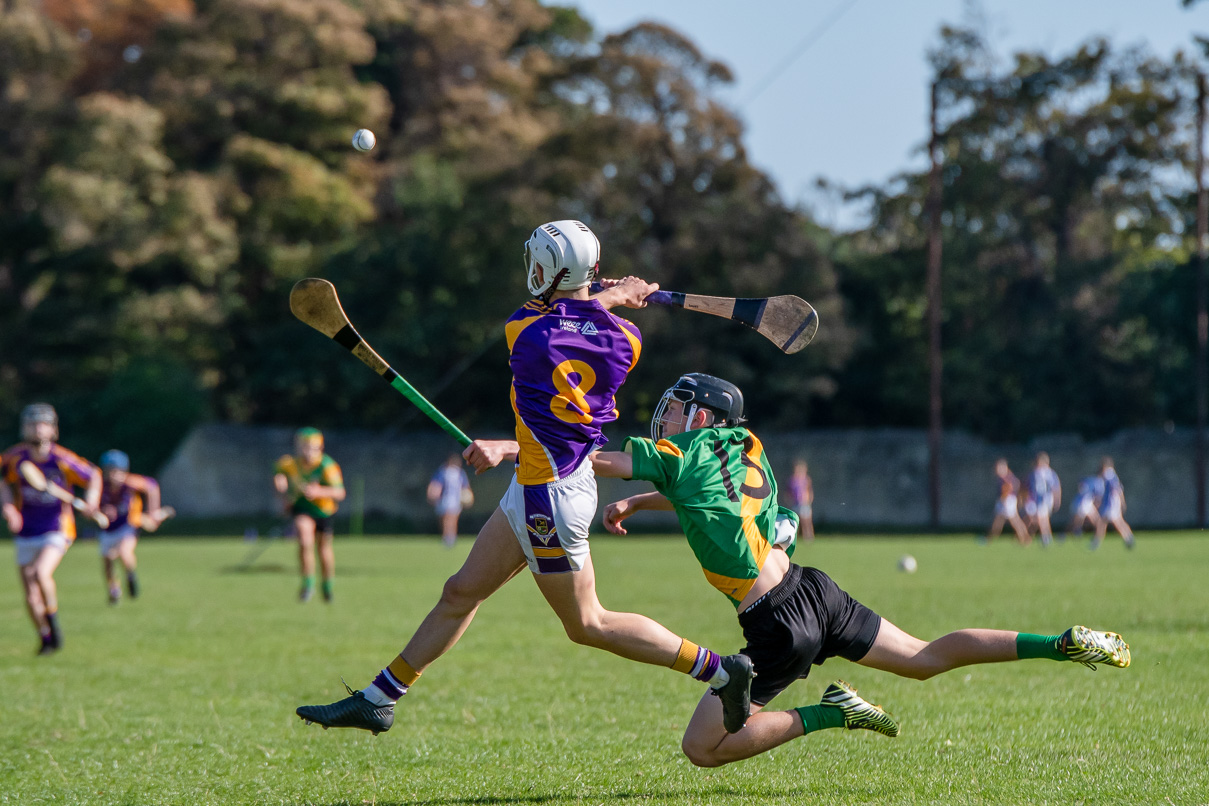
[
  {"x": 408, "y": 391},
  {"x": 314, "y": 301}
]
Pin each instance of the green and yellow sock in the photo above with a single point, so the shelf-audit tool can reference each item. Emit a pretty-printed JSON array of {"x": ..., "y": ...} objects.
[{"x": 1029, "y": 645}]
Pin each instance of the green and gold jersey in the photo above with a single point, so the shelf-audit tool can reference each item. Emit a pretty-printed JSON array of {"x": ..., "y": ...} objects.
[
  {"x": 725, "y": 496},
  {"x": 327, "y": 473}
]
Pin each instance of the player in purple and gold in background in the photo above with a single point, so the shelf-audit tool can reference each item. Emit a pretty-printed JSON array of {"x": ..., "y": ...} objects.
[
  {"x": 131, "y": 502},
  {"x": 44, "y": 526},
  {"x": 569, "y": 355},
  {"x": 1008, "y": 488}
]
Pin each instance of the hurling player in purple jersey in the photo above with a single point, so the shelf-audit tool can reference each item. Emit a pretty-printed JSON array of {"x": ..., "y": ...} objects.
[
  {"x": 569, "y": 354},
  {"x": 43, "y": 526}
]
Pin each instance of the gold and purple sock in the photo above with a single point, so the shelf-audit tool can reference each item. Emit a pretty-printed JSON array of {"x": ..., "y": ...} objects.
[
  {"x": 391, "y": 683},
  {"x": 700, "y": 664}
]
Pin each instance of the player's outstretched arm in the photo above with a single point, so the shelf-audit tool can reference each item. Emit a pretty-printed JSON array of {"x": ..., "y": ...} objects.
[
  {"x": 613, "y": 464},
  {"x": 628, "y": 292},
  {"x": 11, "y": 514},
  {"x": 484, "y": 454},
  {"x": 618, "y": 511}
]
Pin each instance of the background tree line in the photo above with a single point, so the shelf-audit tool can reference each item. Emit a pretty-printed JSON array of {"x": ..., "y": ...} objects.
[{"x": 169, "y": 168}]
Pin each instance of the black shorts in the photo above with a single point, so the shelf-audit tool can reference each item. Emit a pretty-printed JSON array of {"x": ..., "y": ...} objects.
[
  {"x": 324, "y": 524},
  {"x": 804, "y": 620}
]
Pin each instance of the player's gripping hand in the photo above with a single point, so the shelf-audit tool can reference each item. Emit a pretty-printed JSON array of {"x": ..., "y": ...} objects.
[
  {"x": 615, "y": 513},
  {"x": 484, "y": 454},
  {"x": 13, "y": 516},
  {"x": 628, "y": 292}
]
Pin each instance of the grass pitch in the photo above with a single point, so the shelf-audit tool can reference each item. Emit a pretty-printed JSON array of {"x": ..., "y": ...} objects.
[{"x": 187, "y": 695}]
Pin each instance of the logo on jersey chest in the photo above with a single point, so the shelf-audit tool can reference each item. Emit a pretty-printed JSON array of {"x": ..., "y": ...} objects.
[{"x": 584, "y": 328}]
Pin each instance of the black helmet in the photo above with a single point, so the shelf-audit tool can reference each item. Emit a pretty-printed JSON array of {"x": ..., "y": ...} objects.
[{"x": 697, "y": 390}]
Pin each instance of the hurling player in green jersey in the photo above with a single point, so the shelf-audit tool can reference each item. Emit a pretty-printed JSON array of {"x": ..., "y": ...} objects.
[{"x": 714, "y": 474}]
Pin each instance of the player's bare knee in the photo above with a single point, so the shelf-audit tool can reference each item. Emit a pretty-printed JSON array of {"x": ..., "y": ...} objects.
[
  {"x": 701, "y": 755},
  {"x": 461, "y": 595},
  {"x": 585, "y": 631}
]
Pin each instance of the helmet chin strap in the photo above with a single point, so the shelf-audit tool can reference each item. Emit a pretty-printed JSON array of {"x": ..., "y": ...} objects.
[{"x": 558, "y": 278}]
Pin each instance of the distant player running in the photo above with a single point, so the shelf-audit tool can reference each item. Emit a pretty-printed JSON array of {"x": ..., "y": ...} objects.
[
  {"x": 311, "y": 486},
  {"x": 449, "y": 492},
  {"x": 1085, "y": 508},
  {"x": 716, "y": 477},
  {"x": 1112, "y": 507},
  {"x": 569, "y": 355},
  {"x": 801, "y": 490},
  {"x": 1043, "y": 497},
  {"x": 43, "y": 525},
  {"x": 1008, "y": 490},
  {"x": 131, "y": 502}
]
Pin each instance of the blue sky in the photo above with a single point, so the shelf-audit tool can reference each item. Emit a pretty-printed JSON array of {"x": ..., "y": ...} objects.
[{"x": 853, "y": 107}]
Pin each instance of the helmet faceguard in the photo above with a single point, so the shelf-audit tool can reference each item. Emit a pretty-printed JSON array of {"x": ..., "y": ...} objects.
[
  {"x": 36, "y": 413},
  {"x": 561, "y": 255},
  {"x": 699, "y": 391}
]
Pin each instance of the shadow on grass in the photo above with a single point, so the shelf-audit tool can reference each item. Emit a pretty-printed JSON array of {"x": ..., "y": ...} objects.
[
  {"x": 259, "y": 568},
  {"x": 792, "y": 794}
]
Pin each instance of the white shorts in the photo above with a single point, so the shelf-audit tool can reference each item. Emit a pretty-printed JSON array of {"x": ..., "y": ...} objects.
[
  {"x": 28, "y": 548},
  {"x": 1038, "y": 509},
  {"x": 111, "y": 540},
  {"x": 805, "y": 511},
  {"x": 1084, "y": 507},
  {"x": 551, "y": 521},
  {"x": 1006, "y": 507},
  {"x": 1111, "y": 511}
]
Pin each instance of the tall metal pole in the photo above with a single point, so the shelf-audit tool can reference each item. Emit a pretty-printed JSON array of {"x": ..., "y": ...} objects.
[
  {"x": 1202, "y": 318},
  {"x": 933, "y": 283}
]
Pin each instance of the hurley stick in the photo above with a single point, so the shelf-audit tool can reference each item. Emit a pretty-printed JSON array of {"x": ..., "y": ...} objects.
[
  {"x": 787, "y": 321},
  {"x": 314, "y": 301}
]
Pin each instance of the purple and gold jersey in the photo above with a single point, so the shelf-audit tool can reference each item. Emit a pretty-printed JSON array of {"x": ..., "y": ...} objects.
[
  {"x": 568, "y": 359},
  {"x": 42, "y": 513},
  {"x": 123, "y": 503}
]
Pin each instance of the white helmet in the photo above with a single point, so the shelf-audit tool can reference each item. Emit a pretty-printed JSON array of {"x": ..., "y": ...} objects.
[
  {"x": 562, "y": 255},
  {"x": 36, "y": 413}
]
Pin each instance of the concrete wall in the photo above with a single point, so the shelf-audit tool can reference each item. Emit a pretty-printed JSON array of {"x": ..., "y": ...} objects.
[{"x": 862, "y": 478}]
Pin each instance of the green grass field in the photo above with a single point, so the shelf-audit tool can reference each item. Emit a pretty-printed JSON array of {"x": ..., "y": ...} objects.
[{"x": 186, "y": 696}]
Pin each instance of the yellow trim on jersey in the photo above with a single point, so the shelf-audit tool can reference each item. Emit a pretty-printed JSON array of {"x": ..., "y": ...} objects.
[
  {"x": 512, "y": 330},
  {"x": 635, "y": 342},
  {"x": 534, "y": 465},
  {"x": 663, "y": 446},
  {"x": 750, "y": 507},
  {"x": 734, "y": 588}
]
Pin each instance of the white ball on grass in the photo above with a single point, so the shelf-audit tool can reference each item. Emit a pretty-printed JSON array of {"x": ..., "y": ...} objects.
[
  {"x": 907, "y": 564},
  {"x": 364, "y": 140}
]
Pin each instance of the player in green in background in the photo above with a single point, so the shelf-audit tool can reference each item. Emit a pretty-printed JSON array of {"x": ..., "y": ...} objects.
[
  {"x": 713, "y": 473},
  {"x": 311, "y": 486}
]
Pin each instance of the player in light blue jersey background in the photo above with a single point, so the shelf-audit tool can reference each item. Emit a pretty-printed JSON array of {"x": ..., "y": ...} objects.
[
  {"x": 1112, "y": 506},
  {"x": 1043, "y": 496}
]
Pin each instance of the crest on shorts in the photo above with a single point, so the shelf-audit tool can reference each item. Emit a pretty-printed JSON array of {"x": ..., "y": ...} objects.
[{"x": 540, "y": 526}]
